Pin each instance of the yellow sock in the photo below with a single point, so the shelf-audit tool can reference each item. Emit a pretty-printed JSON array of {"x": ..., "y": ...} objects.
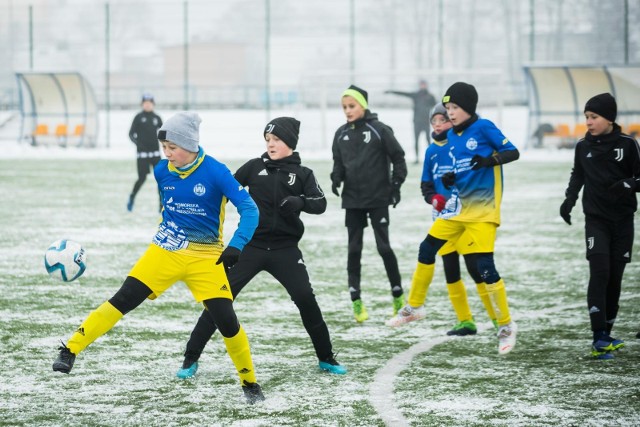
[
  {"x": 97, "y": 324},
  {"x": 498, "y": 295},
  {"x": 240, "y": 353},
  {"x": 458, "y": 297},
  {"x": 484, "y": 297},
  {"x": 420, "y": 284}
]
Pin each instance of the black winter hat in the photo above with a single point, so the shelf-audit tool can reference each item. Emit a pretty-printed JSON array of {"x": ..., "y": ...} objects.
[
  {"x": 285, "y": 128},
  {"x": 462, "y": 94},
  {"x": 603, "y": 105}
]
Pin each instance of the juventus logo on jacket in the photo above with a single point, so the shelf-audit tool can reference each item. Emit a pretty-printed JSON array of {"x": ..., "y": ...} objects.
[
  {"x": 292, "y": 178},
  {"x": 367, "y": 136},
  {"x": 619, "y": 154},
  {"x": 591, "y": 242}
]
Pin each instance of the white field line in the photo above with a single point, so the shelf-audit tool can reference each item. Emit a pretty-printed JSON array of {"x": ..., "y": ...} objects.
[
  {"x": 381, "y": 395},
  {"x": 381, "y": 388}
]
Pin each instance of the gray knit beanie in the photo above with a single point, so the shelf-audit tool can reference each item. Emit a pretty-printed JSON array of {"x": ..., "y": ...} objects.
[{"x": 183, "y": 130}]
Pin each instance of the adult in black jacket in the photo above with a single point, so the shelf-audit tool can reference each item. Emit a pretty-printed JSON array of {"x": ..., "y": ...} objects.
[
  {"x": 282, "y": 188},
  {"x": 364, "y": 149},
  {"x": 607, "y": 165},
  {"x": 144, "y": 133},
  {"x": 423, "y": 103}
]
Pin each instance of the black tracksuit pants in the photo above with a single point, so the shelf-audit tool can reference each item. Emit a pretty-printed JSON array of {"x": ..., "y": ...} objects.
[
  {"x": 287, "y": 267},
  {"x": 356, "y": 222},
  {"x": 609, "y": 245},
  {"x": 145, "y": 166},
  {"x": 418, "y": 128}
]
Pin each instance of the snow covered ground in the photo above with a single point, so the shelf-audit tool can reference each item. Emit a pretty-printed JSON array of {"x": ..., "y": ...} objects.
[{"x": 407, "y": 376}]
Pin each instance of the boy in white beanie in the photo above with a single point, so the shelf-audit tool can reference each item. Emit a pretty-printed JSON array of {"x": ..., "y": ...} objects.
[{"x": 188, "y": 247}]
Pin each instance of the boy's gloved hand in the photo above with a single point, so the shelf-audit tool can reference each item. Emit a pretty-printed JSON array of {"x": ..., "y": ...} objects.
[
  {"x": 290, "y": 205},
  {"x": 395, "y": 193},
  {"x": 448, "y": 179},
  {"x": 438, "y": 201},
  {"x": 229, "y": 257},
  {"x": 623, "y": 187},
  {"x": 334, "y": 188},
  {"x": 478, "y": 162},
  {"x": 565, "y": 210}
]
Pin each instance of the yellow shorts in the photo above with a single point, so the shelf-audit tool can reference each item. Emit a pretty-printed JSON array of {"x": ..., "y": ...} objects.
[
  {"x": 480, "y": 237},
  {"x": 464, "y": 246},
  {"x": 159, "y": 269}
]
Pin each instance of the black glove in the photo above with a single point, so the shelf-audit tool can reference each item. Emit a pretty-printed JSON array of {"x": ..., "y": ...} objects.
[
  {"x": 478, "y": 162},
  {"x": 448, "y": 179},
  {"x": 623, "y": 187},
  {"x": 291, "y": 204},
  {"x": 565, "y": 210},
  {"x": 229, "y": 257},
  {"x": 395, "y": 193},
  {"x": 334, "y": 188}
]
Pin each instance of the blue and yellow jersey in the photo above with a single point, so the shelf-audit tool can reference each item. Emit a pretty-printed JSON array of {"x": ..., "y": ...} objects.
[
  {"x": 194, "y": 207},
  {"x": 437, "y": 162},
  {"x": 478, "y": 192}
]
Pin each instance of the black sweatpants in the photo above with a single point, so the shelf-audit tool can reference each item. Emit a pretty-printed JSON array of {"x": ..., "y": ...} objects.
[
  {"x": 145, "y": 167},
  {"x": 418, "y": 128},
  {"x": 287, "y": 267},
  {"x": 356, "y": 222},
  {"x": 609, "y": 247}
]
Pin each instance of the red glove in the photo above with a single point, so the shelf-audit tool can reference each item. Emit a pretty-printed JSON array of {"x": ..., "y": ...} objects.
[{"x": 438, "y": 201}]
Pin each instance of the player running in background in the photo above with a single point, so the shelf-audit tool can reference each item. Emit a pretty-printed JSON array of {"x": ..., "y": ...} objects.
[
  {"x": 364, "y": 149},
  {"x": 437, "y": 162},
  {"x": 477, "y": 149},
  {"x": 607, "y": 165},
  {"x": 144, "y": 133},
  {"x": 188, "y": 247},
  {"x": 282, "y": 188}
]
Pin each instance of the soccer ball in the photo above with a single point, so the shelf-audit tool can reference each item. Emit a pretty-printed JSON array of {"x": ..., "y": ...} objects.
[{"x": 65, "y": 260}]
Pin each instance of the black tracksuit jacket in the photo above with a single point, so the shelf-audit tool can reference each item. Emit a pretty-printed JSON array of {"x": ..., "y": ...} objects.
[
  {"x": 363, "y": 152},
  {"x": 144, "y": 131},
  {"x": 269, "y": 182},
  {"x": 601, "y": 161}
]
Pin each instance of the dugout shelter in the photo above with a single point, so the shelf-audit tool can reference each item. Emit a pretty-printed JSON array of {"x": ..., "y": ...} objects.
[
  {"x": 57, "y": 108},
  {"x": 557, "y": 95}
]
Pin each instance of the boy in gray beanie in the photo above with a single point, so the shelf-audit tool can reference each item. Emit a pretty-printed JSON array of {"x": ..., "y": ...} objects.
[
  {"x": 183, "y": 130},
  {"x": 187, "y": 247}
]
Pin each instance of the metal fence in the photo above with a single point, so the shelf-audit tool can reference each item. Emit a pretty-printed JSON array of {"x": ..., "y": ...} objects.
[{"x": 265, "y": 53}]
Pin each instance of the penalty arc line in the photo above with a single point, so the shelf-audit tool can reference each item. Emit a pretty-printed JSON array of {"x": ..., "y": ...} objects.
[{"x": 381, "y": 388}]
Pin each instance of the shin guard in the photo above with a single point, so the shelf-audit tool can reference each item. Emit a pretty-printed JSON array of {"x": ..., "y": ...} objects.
[
  {"x": 484, "y": 297},
  {"x": 240, "y": 353},
  {"x": 459, "y": 300},
  {"x": 420, "y": 282},
  {"x": 99, "y": 322},
  {"x": 498, "y": 296}
]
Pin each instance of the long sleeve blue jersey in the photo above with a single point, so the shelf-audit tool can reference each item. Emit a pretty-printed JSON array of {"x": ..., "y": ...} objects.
[{"x": 194, "y": 208}]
